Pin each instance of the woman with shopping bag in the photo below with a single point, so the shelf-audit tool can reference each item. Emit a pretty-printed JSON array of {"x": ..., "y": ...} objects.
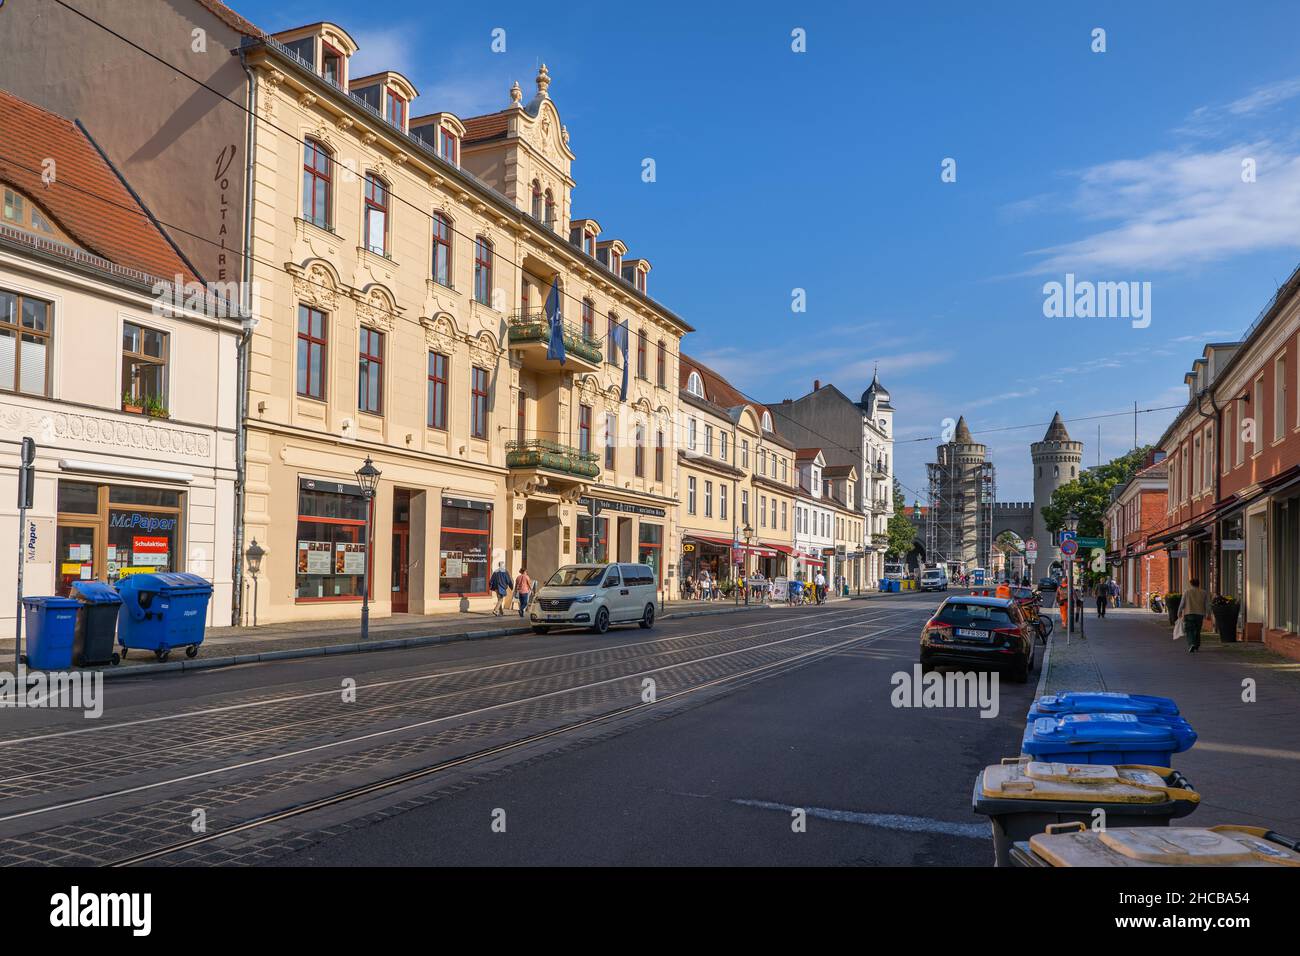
[{"x": 1191, "y": 614}]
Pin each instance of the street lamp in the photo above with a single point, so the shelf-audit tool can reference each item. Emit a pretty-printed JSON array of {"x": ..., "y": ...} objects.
[
  {"x": 254, "y": 556},
  {"x": 748, "y": 532},
  {"x": 1071, "y": 525},
  {"x": 368, "y": 479}
]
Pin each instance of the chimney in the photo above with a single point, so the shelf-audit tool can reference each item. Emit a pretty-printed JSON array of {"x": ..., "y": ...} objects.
[{"x": 817, "y": 383}]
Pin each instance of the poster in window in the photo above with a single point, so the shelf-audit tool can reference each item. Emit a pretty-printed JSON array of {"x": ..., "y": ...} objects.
[
  {"x": 150, "y": 550},
  {"x": 314, "y": 557},
  {"x": 453, "y": 564},
  {"x": 349, "y": 558}
]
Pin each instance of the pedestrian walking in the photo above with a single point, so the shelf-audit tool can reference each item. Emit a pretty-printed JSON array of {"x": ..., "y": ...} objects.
[
  {"x": 706, "y": 586},
  {"x": 1103, "y": 596},
  {"x": 1192, "y": 610},
  {"x": 523, "y": 588},
  {"x": 500, "y": 586},
  {"x": 821, "y": 588}
]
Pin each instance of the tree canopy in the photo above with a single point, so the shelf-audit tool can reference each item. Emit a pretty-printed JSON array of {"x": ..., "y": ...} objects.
[
  {"x": 900, "y": 530},
  {"x": 1088, "y": 496}
]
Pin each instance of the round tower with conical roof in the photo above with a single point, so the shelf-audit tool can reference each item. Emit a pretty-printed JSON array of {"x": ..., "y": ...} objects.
[{"x": 1056, "y": 460}]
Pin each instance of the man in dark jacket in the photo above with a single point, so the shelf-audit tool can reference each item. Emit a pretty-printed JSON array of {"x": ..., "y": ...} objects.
[{"x": 500, "y": 586}]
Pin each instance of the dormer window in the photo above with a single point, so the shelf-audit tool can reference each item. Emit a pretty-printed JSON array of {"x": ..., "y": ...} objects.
[
  {"x": 449, "y": 146},
  {"x": 370, "y": 96},
  {"x": 305, "y": 50},
  {"x": 615, "y": 262},
  {"x": 589, "y": 243},
  {"x": 695, "y": 385},
  {"x": 396, "y": 113},
  {"x": 767, "y": 421},
  {"x": 21, "y": 213},
  {"x": 331, "y": 65}
]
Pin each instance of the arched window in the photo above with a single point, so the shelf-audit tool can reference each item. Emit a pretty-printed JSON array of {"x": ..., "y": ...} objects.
[
  {"x": 441, "y": 249},
  {"x": 695, "y": 384},
  {"x": 1056, "y": 471},
  {"x": 537, "y": 199},
  {"x": 376, "y": 217},
  {"x": 767, "y": 421},
  {"x": 482, "y": 270},
  {"x": 550, "y": 210},
  {"x": 316, "y": 181}
]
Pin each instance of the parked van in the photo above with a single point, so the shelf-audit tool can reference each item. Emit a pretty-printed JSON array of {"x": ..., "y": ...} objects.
[
  {"x": 934, "y": 579},
  {"x": 894, "y": 571},
  {"x": 595, "y": 596}
]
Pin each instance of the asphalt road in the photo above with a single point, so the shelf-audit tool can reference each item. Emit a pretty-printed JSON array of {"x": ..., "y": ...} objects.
[{"x": 770, "y": 738}]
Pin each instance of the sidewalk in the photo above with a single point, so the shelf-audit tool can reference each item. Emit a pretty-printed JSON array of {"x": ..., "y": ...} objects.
[
  {"x": 224, "y": 646},
  {"x": 1246, "y": 761}
]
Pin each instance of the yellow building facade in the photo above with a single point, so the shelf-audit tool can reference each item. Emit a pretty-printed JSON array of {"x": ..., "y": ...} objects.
[{"x": 403, "y": 264}]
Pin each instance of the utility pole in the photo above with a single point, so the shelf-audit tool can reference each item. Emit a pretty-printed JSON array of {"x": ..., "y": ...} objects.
[{"x": 26, "y": 489}]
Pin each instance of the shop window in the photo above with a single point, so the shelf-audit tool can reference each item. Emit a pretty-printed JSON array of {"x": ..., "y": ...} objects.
[
  {"x": 24, "y": 344},
  {"x": 144, "y": 366},
  {"x": 650, "y": 547},
  {"x": 593, "y": 540},
  {"x": 332, "y": 542},
  {"x": 311, "y": 352},
  {"x": 464, "y": 547}
]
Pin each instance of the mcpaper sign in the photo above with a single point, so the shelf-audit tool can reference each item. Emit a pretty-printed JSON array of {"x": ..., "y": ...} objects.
[{"x": 140, "y": 522}]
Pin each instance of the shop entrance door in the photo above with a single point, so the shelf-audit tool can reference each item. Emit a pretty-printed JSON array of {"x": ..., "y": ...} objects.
[
  {"x": 75, "y": 555},
  {"x": 401, "y": 557}
]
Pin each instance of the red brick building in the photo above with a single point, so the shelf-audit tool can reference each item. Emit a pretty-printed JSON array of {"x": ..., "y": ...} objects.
[{"x": 1137, "y": 510}]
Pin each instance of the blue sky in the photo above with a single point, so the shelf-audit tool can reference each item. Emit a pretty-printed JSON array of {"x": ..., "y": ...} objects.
[{"x": 821, "y": 170}]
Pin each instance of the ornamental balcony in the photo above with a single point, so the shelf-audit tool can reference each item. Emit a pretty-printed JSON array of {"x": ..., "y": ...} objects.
[
  {"x": 530, "y": 336},
  {"x": 538, "y": 464}
]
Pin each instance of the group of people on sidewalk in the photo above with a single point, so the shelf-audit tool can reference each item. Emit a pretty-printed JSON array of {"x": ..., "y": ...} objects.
[{"x": 500, "y": 585}]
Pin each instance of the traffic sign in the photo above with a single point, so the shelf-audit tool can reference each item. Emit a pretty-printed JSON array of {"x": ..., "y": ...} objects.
[
  {"x": 1092, "y": 542},
  {"x": 1031, "y": 545},
  {"x": 1068, "y": 535},
  {"x": 1069, "y": 547}
]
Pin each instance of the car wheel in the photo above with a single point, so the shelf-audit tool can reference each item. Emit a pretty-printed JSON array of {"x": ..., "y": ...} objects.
[
  {"x": 648, "y": 618},
  {"x": 601, "y": 624},
  {"x": 541, "y": 629}
]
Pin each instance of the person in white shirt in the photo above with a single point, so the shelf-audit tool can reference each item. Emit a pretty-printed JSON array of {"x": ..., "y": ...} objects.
[
  {"x": 706, "y": 591},
  {"x": 820, "y": 581}
]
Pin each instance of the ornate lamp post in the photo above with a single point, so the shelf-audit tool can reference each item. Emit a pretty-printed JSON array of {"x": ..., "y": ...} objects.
[
  {"x": 748, "y": 532},
  {"x": 254, "y": 556},
  {"x": 368, "y": 479}
]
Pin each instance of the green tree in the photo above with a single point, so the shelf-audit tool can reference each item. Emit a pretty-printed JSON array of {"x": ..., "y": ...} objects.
[
  {"x": 1088, "y": 496},
  {"x": 901, "y": 531}
]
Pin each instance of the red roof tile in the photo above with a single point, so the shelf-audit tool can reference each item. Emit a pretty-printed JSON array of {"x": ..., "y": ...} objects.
[
  {"x": 488, "y": 126},
  {"x": 87, "y": 199}
]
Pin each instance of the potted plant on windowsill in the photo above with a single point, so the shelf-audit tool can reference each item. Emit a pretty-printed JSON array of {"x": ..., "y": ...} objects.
[
  {"x": 1226, "y": 610},
  {"x": 154, "y": 407},
  {"x": 131, "y": 404}
]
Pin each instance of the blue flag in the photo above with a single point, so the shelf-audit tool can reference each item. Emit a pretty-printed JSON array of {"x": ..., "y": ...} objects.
[
  {"x": 619, "y": 332},
  {"x": 555, "y": 346}
]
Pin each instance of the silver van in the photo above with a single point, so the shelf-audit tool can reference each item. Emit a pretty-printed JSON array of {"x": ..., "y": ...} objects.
[
  {"x": 595, "y": 596},
  {"x": 934, "y": 579}
]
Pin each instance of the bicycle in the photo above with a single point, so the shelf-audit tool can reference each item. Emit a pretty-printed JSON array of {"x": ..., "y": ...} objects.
[{"x": 1044, "y": 628}]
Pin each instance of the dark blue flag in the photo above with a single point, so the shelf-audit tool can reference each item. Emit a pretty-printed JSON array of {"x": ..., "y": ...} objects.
[
  {"x": 619, "y": 332},
  {"x": 555, "y": 346}
]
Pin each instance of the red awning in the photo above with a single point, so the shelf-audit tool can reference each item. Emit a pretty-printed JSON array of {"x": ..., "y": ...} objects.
[
  {"x": 723, "y": 542},
  {"x": 783, "y": 548}
]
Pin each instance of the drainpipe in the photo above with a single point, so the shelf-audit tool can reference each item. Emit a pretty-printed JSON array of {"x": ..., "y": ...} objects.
[{"x": 249, "y": 323}]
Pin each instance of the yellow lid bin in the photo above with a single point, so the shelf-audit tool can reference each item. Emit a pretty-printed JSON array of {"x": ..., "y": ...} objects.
[
  {"x": 1076, "y": 845},
  {"x": 1023, "y": 797}
]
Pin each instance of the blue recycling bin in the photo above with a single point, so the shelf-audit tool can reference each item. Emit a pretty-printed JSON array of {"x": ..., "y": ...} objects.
[
  {"x": 1107, "y": 739},
  {"x": 1102, "y": 702},
  {"x": 163, "y": 611},
  {"x": 50, "y": 626}
]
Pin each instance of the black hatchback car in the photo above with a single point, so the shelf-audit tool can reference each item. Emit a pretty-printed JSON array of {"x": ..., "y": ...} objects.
[{"x": 984, "y": 632}]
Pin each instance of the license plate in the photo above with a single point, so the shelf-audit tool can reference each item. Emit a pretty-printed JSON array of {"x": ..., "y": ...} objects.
[
  {"x": 972, "y": 633},
  {"x": 555, "y": 617}
]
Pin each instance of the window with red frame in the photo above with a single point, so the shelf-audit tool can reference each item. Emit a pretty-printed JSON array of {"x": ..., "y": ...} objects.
[
  {"x": 396, "y": 110},
  {"x": 311, "y": 352},
  {"x": 640, "y": 354},
  {"x": 437, "y": 391},
  {"x": 537, "y": 199},
  {"x": 521, "y": 416},
  {"x": 331, "y": 65},
  {"x": 659, "y": 456},
  {"x": 376, "y": 215},
  {"x": 449, "y": 146},
  {"x": 640, "y": 451},
  {"x": 370, "y": 371},
  {"x": 483, "y": 271},
  {"x": 478, "y": 394},
  {"x": 441, "y": 249},
  {"x": 316, "y": 184},
  {"x": 584, "y": 428},
  {"x": 661, "y": 365},
  {"x": 588, "y": 319}
]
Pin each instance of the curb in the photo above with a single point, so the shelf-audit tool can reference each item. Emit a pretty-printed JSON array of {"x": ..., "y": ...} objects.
[{"x": 357, "y": 647}]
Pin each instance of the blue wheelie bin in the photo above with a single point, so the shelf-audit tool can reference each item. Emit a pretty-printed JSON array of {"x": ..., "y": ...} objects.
[
  {"x": 1102, "y": 702},
  {"x": 50, "y": 626},
  {"x": 163, "y": 611},
  {"x": 1108, "y": 739},
  {"x": 96, "y": 623}
]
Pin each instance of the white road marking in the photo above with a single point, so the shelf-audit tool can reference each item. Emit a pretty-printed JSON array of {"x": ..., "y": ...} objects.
[{"x": 888, "y": 821}]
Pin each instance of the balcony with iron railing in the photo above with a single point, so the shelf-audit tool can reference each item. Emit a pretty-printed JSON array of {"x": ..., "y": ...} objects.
[
  {"x": 559, "y": 464},
  {"x": 530, "y": 335}
]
